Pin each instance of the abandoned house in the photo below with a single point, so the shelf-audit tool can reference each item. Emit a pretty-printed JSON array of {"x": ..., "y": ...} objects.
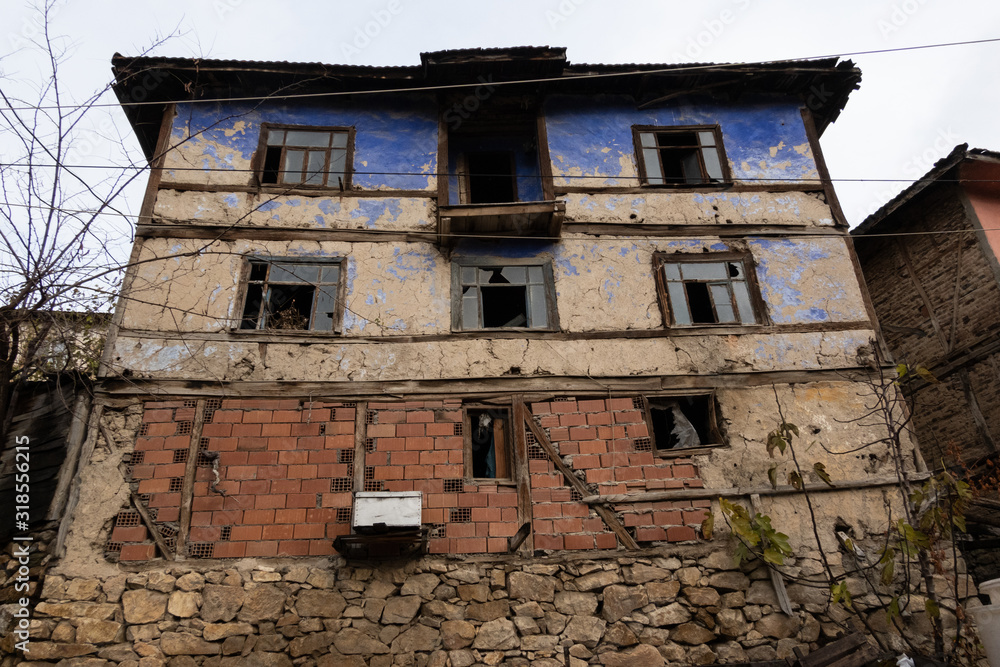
[
  {"x": 508, "y": 324},
  {"x": 931, "y": 257}
]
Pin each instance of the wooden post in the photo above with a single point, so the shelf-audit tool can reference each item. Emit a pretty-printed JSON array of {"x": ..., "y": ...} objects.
[
  {"x": 190, "y": 470},
  {"x": 521, "y": 474}
]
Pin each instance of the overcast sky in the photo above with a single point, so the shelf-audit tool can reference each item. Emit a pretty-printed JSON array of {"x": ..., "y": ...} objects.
[{"x": 911, "y": 109}]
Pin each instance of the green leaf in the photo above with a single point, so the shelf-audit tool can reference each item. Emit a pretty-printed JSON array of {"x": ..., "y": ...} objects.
[
  {"x": 707, "y": 526},
  {"x": 932, "y": 609},
  {"x": 893, "y": 610},
  {"x": 790, "y": 427},
  {"x": 821, "y": 472},
  {"x": 773, "y": 556},
  {"x": 772, "y": 476},
  {"x": 888, "y": 572},
  {"x": 927, "y": 375},
  {"x": 902, "y": 370},
  {"x": 795, "y": 479}
]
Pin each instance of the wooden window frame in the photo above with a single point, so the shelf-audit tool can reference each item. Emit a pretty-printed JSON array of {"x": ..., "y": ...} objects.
[
  {"x": 244, "y": 283},
  {"x": 257, "y": 164},
  {"x": 467, "y": 430},
  {"x": 718, "y": 441},
  {"x": 750, "y": 278},
  {"x": 727, "y": 178},
  {"x": 483, "y": 262}
]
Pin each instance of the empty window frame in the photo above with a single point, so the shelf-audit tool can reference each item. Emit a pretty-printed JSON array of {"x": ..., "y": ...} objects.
[
  {"x": 681, "y": 156},
  {"x": 716, "y": 289},
  {"x": 681, "y": 423},
  {"x": 289, "y": 294},
  {"x": 491, "y": 177},
  {"x": 306, "y": 156},
  {"x": 488, "y": 450},
  {"x": 502, "y": 295}
]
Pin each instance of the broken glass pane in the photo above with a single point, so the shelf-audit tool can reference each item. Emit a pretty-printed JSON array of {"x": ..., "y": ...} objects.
[
  {"x": 723, "y": 306},
  {"x": 743, "y": 302},
  {"x": 325, "y": 309},
  {"x": 678, "y": 303},
  {"x": 704, "y": 271},
  {"x": 307, "y": 138},
  {"x": 294, "y": 273},
  {"x": 515, "y": 275}
]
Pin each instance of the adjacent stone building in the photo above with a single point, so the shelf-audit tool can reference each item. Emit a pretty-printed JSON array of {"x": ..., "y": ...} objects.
[
  {"x": 930, "y": 257},
  {"x": 562, "y": 305}
]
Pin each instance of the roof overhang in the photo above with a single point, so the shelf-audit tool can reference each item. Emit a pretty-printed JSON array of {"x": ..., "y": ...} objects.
[{"x": 145, "y": 85}]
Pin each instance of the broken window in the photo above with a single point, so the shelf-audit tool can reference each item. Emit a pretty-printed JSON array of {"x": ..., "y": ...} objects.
[
  {"x": 488, "y": 443},
  {"x": 681, "y": 422},
  {"x": 681, "y": 155},
  {"x": 707, "y": 290},
  {"x": 502, "y": 296},
  {"x": 287, "y": 294},
  {"x": 491, "y": 177},
  {"x": 306, "y": 156}
]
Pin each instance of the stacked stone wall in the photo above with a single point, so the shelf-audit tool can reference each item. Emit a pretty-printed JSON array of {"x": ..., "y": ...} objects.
[{"x": 688, "y": 606}]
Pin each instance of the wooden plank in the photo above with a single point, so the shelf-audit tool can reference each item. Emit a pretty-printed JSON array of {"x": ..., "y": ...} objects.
[
  {"x": 156, "y": 165},
  {"x": 161, "y": 544},
  {"x": 777, "y": 581},
  {"x": 522, "y": 477},
  {"x": 506, "y": 210},
  {"x": 254, "y": 233},
  {"x": 190, "y": 470},
  {"x": 188, "y": 186},
  {"x": 824, "y": 173},
  {"x": 806, "y": 185},
  {"x": 116, "y": 388},
  {"x": 982, "y": 427},
  {"x": 86, "y": 452},
  {"x": 609, "y": 517},
  {"x": 297, "y": 338},
  {"x": 781, "y": 490},
  {"x": 957, "y": 290},
  {"x": 360, "y": 438}
]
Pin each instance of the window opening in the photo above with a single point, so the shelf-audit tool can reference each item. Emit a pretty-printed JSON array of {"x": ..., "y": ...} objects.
[
  {"x": 681, "y": 422},
  {"x": 491, "y": 177},
  {"x": 489, "y": 443},
  {"x": 687, "y": 156},
  {"x": 288, "y": 295},
  {"x": 707, "y": 292},
  {"x": 500, "y": 297},
  {"x": 306, "y": 157}
]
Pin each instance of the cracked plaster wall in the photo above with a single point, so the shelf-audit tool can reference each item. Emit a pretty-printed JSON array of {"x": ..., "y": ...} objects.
[
  {"x": 600, "y": 283},
  {"x": 591, "y": 144},
  {"x": 187, "y": 357}
]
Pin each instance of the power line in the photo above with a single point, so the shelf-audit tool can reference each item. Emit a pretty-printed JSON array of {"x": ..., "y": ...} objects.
[
  {"x": 740, "y": 67},
  {"x": 320, "y": 191},
  {"x": 432, "y": 235}
]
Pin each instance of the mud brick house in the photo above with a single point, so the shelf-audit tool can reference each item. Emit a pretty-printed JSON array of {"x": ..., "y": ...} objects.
[
  {"x": 930, "y": 257},
  {"x": 515, "y": 321}
]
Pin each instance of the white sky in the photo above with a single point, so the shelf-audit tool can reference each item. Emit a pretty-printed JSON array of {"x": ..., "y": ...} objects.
[{"x": 912, "y": 108}]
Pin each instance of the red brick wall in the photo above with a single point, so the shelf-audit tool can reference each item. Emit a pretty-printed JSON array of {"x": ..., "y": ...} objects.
[
  {"x": 287, "y": 471},
  {"x": 418, "y": 446},
  {"x": 608, "y": 442}
]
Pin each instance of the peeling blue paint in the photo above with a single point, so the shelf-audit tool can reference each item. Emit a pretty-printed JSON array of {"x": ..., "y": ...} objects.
[
  {"x": 269, "y": 205},
  {"x": 320, "y": 220},
  {"x": 411, "y": 263},
  {"x": 594, "y": 134},
  {"x": 232, "y": 201},
  {"x": 329, "y": 206},
  {"x": 374, "y": 209},
  {"x": 392, "y": 149}
]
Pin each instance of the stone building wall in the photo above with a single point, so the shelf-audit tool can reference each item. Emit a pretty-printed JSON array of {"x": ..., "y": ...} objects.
[{"x": 689, "y": 605}]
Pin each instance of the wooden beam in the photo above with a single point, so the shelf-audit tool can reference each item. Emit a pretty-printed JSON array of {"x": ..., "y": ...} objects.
[
  {"x": 190, "y": 470},
  {"x": 161, "y": 544},
  {"x": 360, "y": 450},
  {"x": 608, "y": 515},
  {"x": 915, "y": 279},
  {"x": 87, "y": 451},
  {"x": 982, "y": 427},
  {"x": 475, "y": 388},
  {"x": 781, "y": 490},
  {"x": 521, "y": 474},
  {"x": 74, "y": 443}
]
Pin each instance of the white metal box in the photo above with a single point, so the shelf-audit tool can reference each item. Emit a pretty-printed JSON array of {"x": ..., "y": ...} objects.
[{"x": 393, "y": 509}]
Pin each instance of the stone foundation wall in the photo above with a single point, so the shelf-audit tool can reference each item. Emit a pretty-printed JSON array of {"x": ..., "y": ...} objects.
[{"x": 689, "y": 605}]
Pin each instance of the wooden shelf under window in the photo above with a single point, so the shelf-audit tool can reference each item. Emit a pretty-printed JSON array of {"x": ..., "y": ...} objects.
[{"x": 514, "y": 220}]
